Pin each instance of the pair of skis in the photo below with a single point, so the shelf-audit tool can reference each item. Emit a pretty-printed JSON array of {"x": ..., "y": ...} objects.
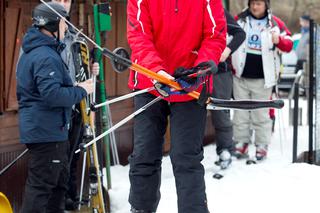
[{"x": 90, "y": 157}]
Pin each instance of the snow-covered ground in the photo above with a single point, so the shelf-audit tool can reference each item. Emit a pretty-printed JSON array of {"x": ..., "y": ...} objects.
[{"x": 273, "y": 186}]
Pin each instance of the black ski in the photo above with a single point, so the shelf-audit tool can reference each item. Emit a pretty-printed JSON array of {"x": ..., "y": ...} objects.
[
  {"x": 251, "y": 161},
  {"x": 219, "y": 173},
  {"x": 254, "y": 160}
]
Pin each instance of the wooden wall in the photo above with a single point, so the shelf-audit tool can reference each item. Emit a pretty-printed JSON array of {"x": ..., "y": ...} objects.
[
  {"x": 15, "y": 18},
  {"x": 2, "y": 49}
]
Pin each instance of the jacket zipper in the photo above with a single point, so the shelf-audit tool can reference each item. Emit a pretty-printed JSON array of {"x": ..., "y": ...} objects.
[{"x": 176, "y": 7}]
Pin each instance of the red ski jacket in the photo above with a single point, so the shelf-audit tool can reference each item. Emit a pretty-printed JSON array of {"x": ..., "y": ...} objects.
[{"x": 167, "y": 34}]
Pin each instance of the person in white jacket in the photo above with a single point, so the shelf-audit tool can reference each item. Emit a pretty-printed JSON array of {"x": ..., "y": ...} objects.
[{"x": 257, "y": 64}]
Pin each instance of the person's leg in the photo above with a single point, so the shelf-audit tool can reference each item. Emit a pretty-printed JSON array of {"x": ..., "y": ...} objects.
[
  {"x": 75, "y": 138},
  {"x": 222, "y": 84},
  {"x": 241, "y": 119},
  {"x": 261, "y": 122},
  {"x": 299, "y": 65},
  {"x": 187, "y": 124},
  {"x": 56, "y": 203},
  {"x": 145, "y": 160},
  {"x": 44, "y": 171}
]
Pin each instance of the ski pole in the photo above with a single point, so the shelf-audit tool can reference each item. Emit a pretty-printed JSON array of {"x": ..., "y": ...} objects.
[
  {"x": 120, "y": 123},
  {"x": 105, "y": 114},
  {"x": 124, "y": 97},
  {"x": 13, "y": 162},
  {"x": 82, "y": 179}
]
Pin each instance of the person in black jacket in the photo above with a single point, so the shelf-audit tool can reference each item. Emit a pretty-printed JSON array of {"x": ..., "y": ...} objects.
[
  {"x": 222, "y": 83},
  {"x": 46, "y": 94}
]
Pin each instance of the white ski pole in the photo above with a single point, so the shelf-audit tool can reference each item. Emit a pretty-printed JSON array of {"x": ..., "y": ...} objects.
[
  {"x": 124, "y": 97},
  {"x": 120, "y": 123}
]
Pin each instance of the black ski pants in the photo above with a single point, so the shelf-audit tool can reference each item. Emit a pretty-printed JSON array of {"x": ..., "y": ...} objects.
[
  {"x": 47, "y": 178},
  {"x": 187, "y": 124},
  {"x": 75, "y": 138},
  {"x": 222, "y": 88}
]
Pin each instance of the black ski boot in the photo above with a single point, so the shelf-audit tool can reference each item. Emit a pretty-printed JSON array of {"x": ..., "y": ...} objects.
[{"x": 70, "y": 204}]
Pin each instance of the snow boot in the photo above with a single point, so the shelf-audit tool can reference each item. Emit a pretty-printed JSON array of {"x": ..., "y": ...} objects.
[
  {"x": 224, "y": 159},
  {"x": 261, "y": 152},
  {"x": 241, "y": 150}
]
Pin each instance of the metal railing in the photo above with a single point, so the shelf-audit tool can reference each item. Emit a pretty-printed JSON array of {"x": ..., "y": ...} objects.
[{"x": 294, "y": 94}]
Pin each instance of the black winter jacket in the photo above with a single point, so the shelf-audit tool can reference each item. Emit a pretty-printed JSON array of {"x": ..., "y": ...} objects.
[{"x": 45, "y": 91}]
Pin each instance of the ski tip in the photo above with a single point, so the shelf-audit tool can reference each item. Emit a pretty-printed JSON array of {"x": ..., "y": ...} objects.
[
  {"x": 217, "y": 176},
  {"x": 278, "y": 104},
  {"x": 249, "y": 162}
]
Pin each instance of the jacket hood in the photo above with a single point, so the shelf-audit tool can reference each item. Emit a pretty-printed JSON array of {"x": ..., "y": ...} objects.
[{"x": 34, "y": 38}]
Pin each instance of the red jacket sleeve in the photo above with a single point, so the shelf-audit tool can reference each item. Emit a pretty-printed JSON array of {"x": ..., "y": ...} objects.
[
  {"x": 285, "y": 43},
  {"x": 214, "y": 33},
  {"x": 140, "y": 37}
]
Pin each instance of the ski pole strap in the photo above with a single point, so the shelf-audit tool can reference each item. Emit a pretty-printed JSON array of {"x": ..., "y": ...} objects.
[
  {"x": 190, "y": 87},
  {"x": 165, "y": 90},
  {"x": 190, "y": 79}
]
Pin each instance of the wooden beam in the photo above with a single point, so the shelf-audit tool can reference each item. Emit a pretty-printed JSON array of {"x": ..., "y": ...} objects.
[
  {"x": 11, "y": 29},
  {"x": 2, "y": 8}
]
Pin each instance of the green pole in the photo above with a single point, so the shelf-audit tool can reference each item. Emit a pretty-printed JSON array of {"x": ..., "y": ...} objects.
[
  {"x": 103, "y": 95},
  {"x": 227, "y": 4}
]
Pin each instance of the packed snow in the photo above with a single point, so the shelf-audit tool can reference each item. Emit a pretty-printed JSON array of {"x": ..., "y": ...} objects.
[{"x": 273, "y": 186}]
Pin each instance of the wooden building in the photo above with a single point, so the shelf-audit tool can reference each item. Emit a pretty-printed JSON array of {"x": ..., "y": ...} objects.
[{"x": 15, "y": 19}]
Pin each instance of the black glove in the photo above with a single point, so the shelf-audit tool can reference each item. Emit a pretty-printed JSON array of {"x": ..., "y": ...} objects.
[
  {"x": 196, "y": 76},
  {"x": 201, "y": 70}
]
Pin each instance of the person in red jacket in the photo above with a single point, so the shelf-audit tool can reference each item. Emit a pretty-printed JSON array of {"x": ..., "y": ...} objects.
[
  {"x": 165, "y": 35},
  {"x": 257, "y": 65}
]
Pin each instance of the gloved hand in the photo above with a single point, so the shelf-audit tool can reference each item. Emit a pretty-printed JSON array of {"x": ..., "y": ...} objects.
[{"x": 201, "y": 70}]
